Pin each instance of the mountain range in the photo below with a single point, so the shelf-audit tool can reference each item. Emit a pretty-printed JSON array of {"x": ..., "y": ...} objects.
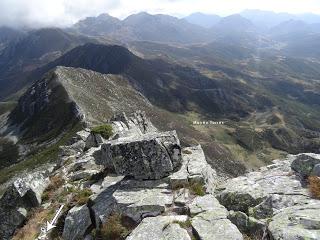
[{"x": 256, "y": 71}]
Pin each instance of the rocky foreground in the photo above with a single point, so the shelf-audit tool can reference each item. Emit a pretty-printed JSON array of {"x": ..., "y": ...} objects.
[{"x": 160, "y": 191}]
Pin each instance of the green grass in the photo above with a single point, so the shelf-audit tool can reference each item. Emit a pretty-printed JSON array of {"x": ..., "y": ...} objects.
[
  {"x": 48, "y": 154},
  {"x": 105, "y": 130}
]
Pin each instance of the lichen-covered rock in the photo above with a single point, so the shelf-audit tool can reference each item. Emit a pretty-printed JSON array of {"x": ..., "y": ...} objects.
[
  {"x": 304, "y": 163},
  {"x": 156, "y": 228},
  {"x": 207, "y": 203},
  {"x": 22, "y": 195},
  {"x": 297, "y": 222},
  {"x": 276, "y": 180},
  {"x": 194, "y": 169},
  {"x": 76, "y": 223},
  {"x": 173, "y": 231},
  {"x": 214, "y": 225},
  {"x": 148, "y": 156}
]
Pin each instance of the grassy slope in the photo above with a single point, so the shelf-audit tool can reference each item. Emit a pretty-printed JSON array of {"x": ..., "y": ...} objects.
[{"x": 45, "y": 155}]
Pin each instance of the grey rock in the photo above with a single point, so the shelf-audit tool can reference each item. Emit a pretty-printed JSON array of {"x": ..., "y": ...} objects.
[
  {"x": 174, "y": 232},
  {"x": 149, "y": 156},
  {"x": 245, "y": 192},
  {"x": 76, "y": 223},
  {"x": 22, "y": 195},
  {"x": 207, "y": 203},
  {"x": 214, "y": 225},
  {"x": 102, "y": 202},
  {"x": 247, "y": 224},
  {"x": 181, "y": 196},
  {"x": 93, "y": 140},
  {"x": 304, "y": 163},
  {"x": 297, "y": 222},
  {"x": 138, "y": 200},
  {"x": 194, "y": 169},
  {"x": 134, "y": 125},
  {"x": 73, "y": 149},
  {"x": 155, "y": 228},
  {"x": 316, "y": 170}
]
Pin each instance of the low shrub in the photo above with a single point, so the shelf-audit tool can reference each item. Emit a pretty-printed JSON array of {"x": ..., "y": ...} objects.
[
  {"x": 314, "y": 186},
  {"x": 197, "y": 189},
  {"x": 105, "y": 130},
  {"x": 114, "y": 229},
  {"x": 81, "y": 197}
]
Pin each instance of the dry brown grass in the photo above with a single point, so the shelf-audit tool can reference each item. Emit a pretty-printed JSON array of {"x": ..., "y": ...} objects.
[
  {"x": 55, "y": 183},
  {"x": 114, "y": 228},
  {"x": 31, "y": 229},
  {"x": 314, "y": 186}
]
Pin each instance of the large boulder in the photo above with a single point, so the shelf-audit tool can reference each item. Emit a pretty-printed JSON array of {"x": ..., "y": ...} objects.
[
  {"x": 147, "y": 156},
  {"x": 305, "y": 163},
  {"x": 22, "y": 195},
  {"x": 76, "y": 223},
  {"x": 159, "y": 228}
]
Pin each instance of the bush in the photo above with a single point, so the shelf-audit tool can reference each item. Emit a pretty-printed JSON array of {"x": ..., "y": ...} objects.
[
  {"x": 314, "y": 186},
  {"x": 113, "y": 229},
  {"x": 105, "y": 131}
]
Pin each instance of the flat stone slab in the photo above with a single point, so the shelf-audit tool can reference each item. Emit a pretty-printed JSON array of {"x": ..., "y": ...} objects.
[
  {"x": 213, "y": 225},
  {"x": 207, "y": 203},
  {"x": 159, "y": 228},
  {"x": 140, "y": 199},
  {"x": 298, "y": 222}
]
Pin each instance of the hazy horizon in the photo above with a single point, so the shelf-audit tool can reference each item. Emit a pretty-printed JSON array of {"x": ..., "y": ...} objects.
[{"x": 60, "y": 13}]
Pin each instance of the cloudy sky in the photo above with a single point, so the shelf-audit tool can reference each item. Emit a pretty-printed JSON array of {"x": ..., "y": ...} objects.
[{"x": 65, "y": 12}]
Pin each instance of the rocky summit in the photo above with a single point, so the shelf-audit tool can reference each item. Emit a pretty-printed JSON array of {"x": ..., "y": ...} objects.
[{"x": 139, "y": 183}]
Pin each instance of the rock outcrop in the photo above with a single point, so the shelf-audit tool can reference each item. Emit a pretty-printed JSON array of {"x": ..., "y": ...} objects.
[
  {"x": 275, "y": 196},
  {"x": 21, "y": 196}
]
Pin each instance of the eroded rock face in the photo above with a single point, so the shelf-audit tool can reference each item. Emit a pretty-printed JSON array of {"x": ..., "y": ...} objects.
[
  {"x": 148, "y": 156},
  {"x": 24, "y": 194},
  {"x": 76, "y": 223}
]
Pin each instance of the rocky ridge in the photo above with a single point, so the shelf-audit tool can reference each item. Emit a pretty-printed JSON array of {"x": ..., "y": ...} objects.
[{"x": 163, "y": 191}]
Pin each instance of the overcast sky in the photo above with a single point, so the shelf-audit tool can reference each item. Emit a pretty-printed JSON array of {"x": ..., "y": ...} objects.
[{"x": 37, "y": 13}]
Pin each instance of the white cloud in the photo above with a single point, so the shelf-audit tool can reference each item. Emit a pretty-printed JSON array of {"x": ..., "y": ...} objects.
[{"x": 65, "y": 12}]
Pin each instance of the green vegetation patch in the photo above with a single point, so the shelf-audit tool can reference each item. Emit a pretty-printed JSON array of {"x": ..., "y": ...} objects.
[{"x": 105, "y": 130}]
